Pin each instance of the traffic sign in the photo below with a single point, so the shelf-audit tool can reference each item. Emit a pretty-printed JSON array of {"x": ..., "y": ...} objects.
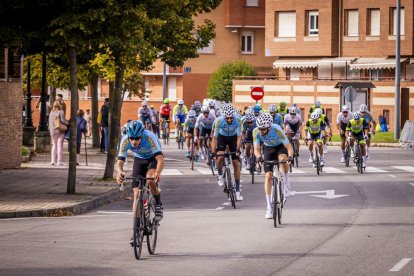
[
  {"x": 350, "y": 94},
  {"x": 257, "y": 93}
]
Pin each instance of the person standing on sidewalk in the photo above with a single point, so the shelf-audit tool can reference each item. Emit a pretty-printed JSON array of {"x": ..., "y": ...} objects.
[
  {"x": 81, "y": 127},
  {"x": 57, "y": 135},
  {"x": 105, "y": 124},
  {"x": 88, "y": 118},
  {"x": 59, "y": 98},
  {"x": 156, "y": 124}
]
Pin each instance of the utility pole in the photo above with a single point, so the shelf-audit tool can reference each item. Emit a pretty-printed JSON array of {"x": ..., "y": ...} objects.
[
  {"x": 164, "y": 81},
  {"x": 397, "y": 74}
]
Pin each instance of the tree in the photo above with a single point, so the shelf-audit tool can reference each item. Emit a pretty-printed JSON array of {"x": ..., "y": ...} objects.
[{"x": 220, "y": 85}]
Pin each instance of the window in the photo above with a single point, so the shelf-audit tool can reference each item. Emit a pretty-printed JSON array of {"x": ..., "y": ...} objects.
[
  {"x": 313, "y": 23},
  {"x": 351, "y": 22},
  {"x": 393, "y": 21},
  {"x": 247, "y": 42},
  {"x": 386, "y": 114},
  {"x": 373, "y": 22},
  {"x": 286, "y": 24},
  {"x": 172, "y": 88},
  {"x": 328, "y": 113},
  {"x": 252, "y": 3},
  {"x": 206, "y": 50},
  {"x": 294, "y": 74}
]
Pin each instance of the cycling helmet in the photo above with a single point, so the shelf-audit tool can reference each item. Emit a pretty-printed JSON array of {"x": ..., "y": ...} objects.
[
  {"x": 282, "y": 105},
  {"x": 294, "y": 105},
  {"x": 318, "y": 104},
  {"x": 272, "y": 108},
  {"x": 197, "y": 104},
  {"x": 292, "y": 110},
  {"x": 211, "y": 103},
  {"x": 205, "y": 109},
  {"x": 144, "y": 103},
  {"x": 227, "y": 110},
  {"x": 134, "y": 129},
  {"x": 180, "y": 102},
  {"x": 356, "y": 116},
  {"x": 248, "y": 111},
  {"x": 345, "y": 108},
  {"x": 318, "y": 111},
  {"x": 249, "y": 118},
  {"x": 166, "y": 100},
  {"x": 257, "y": 108},
  {"x": 363, "y": 108},
  {"x": 314, "y": 116},
  {"x": 191, "y": 113},
  {"x": 264, "y": 120}
]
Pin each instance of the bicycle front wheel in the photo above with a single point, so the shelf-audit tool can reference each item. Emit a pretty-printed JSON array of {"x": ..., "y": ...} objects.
[
  {"x": 347, "y": 155},
  {"x": 152, "y": 227},
  {"x": 230, "y": 188},
  {"x": 138, "y": 229},
  {"x": 252, "y": 166},
  {"x": 274, "y": 202},
  {"x": 280, "y": 203}
]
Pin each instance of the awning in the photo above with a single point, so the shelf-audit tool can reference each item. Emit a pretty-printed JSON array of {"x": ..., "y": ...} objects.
[
  {"x": 343, "y": 84},
  {"x": 295, "y": 63},
  {"x": 338, "y": 60},
  {"x": 374, "y": 63}
]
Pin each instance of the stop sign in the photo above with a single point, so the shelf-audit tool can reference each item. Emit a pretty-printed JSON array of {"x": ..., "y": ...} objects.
[{"x": 257, "y": 93}]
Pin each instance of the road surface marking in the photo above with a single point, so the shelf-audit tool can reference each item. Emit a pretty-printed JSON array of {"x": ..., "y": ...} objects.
[
  {"x": 218, "y": 209},
  {"x": 226, "y": 203},
  {"x": 391, "y": 175},
  {"x": 405, "y": 168},
  {"x": 170, "y": 172},
  {"x": 294, "y": 170},
  {"x": 374, "y": 170},
  {"x": 115, "y": 212},
  {"x": 412, "y": 184},
  {"x": 204, "y": 171},
  {"x": 332, "y": 170},
  {"x": 398, "y": 266}
]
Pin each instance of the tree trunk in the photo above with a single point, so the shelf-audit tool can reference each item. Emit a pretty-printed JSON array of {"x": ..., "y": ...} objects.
[
  {"x": 93, "y": 79},
  {"x": 115, "y": 103},
  {"x": 74, "y": 106}
]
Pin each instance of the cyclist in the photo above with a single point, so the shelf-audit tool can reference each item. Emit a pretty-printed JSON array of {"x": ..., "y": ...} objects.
[
  {"x": 212, "y": 107},
  {"x": 189, "y": 126},
  {"x": 148, "y": 161},
  {"x": 203, "y": 127},
  {"x": 165, "y": 113},
  {"x": 197, "y": 108},
  {"x": 292, "y": 125},
  {"x": 277, "y": 118},
  {"x": 227, "y": 132},
  {"x": 315, "y": 106},
  {"x": 257, "y": 110},
  {"x": 179, "y": 113},
  {"x": 358, "y": 129},
  {"x": 275, "y": 145},
  {"x": 145, "y": 114},
  {"x": 249, "y": 124},
  {"x": 327, "y": 123},
  {"x": 283, "y": 110},
  {"x": 342, "y": 121},
  {"x": 314, "y": 128},
  {"x": 363, "y": 110}
]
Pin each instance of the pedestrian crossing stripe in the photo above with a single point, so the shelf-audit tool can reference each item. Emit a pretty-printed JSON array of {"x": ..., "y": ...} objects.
[
  {"x": 405, "y": 168},
  {"x": 204, "y": 171},
  {"x": 332, "y": 170},
  {"x": 374, "y": 170},
  {"x": 171, "y": 172}
]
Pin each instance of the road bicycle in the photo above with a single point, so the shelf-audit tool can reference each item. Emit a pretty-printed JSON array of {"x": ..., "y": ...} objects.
[
  {"x": 347, "y": 155},
  {"x": 250, "y": 160},
  {"x": 358, "y": 156},
  {"x": 229, "y": 184},
  {"x": 206, "y": 151},
  {"x": 143, "y": 218},
  {"x": 192, "y": 152},
  {"x": 316, "y": 157},
  {"x": 295, "y": 147},
  {"x": 180, "y": 137},
  {"x": 278, "y": 197},
  {"x": 165, "y": 131}
]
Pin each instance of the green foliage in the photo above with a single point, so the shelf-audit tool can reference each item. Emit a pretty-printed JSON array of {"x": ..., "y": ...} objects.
[
  {"x": 220, "y": 85},
  {"x": 25, "y": 151}
]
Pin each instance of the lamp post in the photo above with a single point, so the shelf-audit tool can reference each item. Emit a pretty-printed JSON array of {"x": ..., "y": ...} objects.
[
  {"x": 164, "y": 81},
  {"x": 397, "y": 74},
  {"x": 43, "y": 98},
  {"x": 28, "y": 129}
]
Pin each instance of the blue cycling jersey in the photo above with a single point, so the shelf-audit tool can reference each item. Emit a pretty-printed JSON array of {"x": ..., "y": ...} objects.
[
  {"x": 223, "y": 128},
  {"x": 273, "y": 138},
  {"x": 278, "y": 119},
  {"x": 147, "y": 148}
]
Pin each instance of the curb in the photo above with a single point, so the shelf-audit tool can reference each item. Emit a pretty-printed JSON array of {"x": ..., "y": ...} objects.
[{"x": 75, "y": 209}]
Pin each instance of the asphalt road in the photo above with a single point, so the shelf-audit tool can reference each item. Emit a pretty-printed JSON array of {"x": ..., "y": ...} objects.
[{"x": 364, "y": 226}]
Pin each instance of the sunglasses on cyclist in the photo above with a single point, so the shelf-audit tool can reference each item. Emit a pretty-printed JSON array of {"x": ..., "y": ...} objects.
[
  {"x": 345, "y": 112},
  {"x": 206, "y": 113},
  {"x": 263, "y": 129},
  {"x": 251, "y": 122},
  {"x": 228, "y": 118},
  {"x": 134, "y": 138}
]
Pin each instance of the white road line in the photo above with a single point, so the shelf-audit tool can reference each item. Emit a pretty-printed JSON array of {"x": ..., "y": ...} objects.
[
  {"x": 391, "y": 175},
  {"x": 218, "y": 209},
  {"x": 374, "y": 170},
  {"x": 405, "y": 168},
  {"x": 412, "y": 184},
  {"x": 171, "y": 172},
  {"x": 226, "y": 203},
  {"x": 332, "y": 170},
  {"x": 204, "y": 171},
  {"x": 297, "y": 171},
  {"x": 398, "y": 266}
]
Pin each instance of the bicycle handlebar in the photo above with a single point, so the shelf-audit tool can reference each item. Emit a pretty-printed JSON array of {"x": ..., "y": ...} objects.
[
  {"x": 139, "y": 177},
  {"x": 275, "y": 162}
]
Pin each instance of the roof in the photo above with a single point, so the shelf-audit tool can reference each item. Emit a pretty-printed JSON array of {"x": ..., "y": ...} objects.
[
  {"x": 345, "y": 84},
  {"x": 337, "y": 60},
  {"x": 295, "y": 63},
  {"x": 374, "y": 63}
]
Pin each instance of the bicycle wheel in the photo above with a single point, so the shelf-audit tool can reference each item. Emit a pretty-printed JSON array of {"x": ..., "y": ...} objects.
[
  {"x": 274, "y": 202},
  {"x": 252, "y": 166},
  {"x": 317, "y": 162},
  {"x": 296, "y": 151},
  {"x": 152, "y": 227},
  {"x": 280, "y": 203},
  {"x": 347, "y": 154},
  {"x": 138, "y": 229},
  {"x": 192, "y": 154},
  {"x": 230, "y": 188}
]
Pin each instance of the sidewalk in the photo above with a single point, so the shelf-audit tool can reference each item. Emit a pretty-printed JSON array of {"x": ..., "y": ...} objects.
[{"x": 39, "y": 189}]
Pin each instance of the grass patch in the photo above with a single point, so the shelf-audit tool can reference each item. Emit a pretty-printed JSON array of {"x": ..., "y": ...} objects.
[{"x": 380, "y": 137}]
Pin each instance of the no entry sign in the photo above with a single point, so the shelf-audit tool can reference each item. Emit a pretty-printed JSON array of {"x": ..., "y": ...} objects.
[{"x": 257, "y": 93}]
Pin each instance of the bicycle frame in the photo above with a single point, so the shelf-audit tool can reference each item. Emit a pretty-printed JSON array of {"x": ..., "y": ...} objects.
[
  {"x": 229, "y": 185},
  {"x": 278, "y": 197}
]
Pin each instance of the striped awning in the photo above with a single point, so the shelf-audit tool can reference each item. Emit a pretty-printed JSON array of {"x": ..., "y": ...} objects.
[
  {"x": 338, "y": 60},
  {"x": 374, "y": 63},
  {"x": 295, "y": 63}
]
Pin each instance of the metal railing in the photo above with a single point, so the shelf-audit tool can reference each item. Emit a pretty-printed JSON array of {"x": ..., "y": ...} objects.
[{"x": 407, "y": 136}]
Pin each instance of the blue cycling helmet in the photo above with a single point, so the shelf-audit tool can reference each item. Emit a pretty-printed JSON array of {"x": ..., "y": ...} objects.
[
  {"x": 134, "y": 129},
  {"x": 257, "y": 108},
  {"x": 197, "y": 104}
]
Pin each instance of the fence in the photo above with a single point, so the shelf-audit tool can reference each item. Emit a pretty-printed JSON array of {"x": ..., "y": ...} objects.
[{"x": 407, "y": 136}]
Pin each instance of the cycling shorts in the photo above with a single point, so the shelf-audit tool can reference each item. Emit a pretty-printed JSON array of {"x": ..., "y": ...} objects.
[
  {"x": 204, "y": 132},
  {"x": 359, "y": 137},
  {"x": 141, "y": 167},
  {"x": 181, "y": 117},
  {"x": 230, "y": 141},
  {"x": 165, "y": 117},
  {"x": 315, "y": 136},
  {"x": 343, "y": 127},
  {"x": 189, "y": 130},
  {"x": 146, "y": 118},
  {"x": 272, "y": 153},
  {"x": 249, "y": 136}
]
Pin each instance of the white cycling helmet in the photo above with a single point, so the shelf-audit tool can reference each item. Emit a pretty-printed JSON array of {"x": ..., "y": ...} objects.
[
  {"x": 272, "y": 108},
  {"x": 227, "y": 110},
  {"x": 211, "y": 103},
  {"x": 264, "y": 120},
  {"x": 363, "y": 108},
  {"x": 144, "y": 103},
  {"x": 318, "y": 111},
  {"x": 191, "y": 113},
  {"x": 345, "y": 108},
  {"x": 314, "y": 116},
  {"x": 292, "y": 110},
  {"x": 249, "y": 118},
  {"x": 205, "y": 109},
  {"x": 180, "y": 102}
]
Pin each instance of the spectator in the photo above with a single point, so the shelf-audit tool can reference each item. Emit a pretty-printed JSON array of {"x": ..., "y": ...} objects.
[
  {"x": 59, "y": 98},
  {"x": 57, "y": 135},
  {"x": 105, "y": 124},
  {"x": 81, "y": 127},
  {"x": 156, "y": 124},
  {"x": 88, "y": 118},
  {"x": 383, "y": 122},
  {"x": 48, "y": 106}
]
